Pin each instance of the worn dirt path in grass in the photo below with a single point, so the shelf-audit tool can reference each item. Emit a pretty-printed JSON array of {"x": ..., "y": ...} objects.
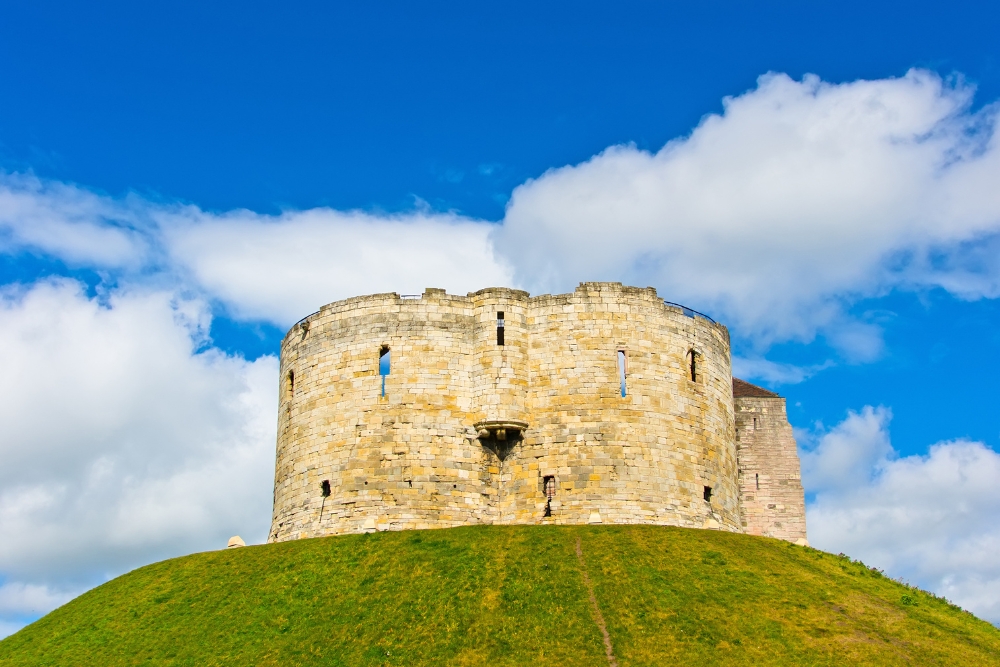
[{"x": 598, "y": 618}]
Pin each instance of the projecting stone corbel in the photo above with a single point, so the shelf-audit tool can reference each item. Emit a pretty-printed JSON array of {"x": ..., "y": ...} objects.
[{"x": 500, "y": 429}]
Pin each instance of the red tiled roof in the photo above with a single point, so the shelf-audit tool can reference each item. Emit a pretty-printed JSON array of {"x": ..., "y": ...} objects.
[{"x": 742, "y": 389}]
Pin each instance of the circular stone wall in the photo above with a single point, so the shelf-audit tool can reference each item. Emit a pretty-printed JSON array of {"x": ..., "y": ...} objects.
[{"x": 535, "y": 430}]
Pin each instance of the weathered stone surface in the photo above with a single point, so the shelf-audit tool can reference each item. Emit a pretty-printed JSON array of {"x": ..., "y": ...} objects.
[
  {"x": 467, "y": 430},
  {"x": 772, "y": 498}
]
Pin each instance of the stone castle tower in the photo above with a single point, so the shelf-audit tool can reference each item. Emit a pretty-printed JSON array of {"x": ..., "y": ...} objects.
[{"x": 607, "y": 405}]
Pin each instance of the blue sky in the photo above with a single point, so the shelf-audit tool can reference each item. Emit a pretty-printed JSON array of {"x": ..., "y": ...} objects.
[{"x": 218, "y": 172}]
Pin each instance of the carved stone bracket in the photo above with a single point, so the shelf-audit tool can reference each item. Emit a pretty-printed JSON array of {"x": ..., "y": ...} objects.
[{"x": 500, "y": 429}]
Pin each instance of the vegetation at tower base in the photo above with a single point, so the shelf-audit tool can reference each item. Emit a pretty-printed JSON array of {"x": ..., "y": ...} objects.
[{"x": 507, "y": 595}]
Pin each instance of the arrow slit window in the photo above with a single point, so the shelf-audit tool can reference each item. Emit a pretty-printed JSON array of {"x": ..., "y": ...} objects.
[
  {"x": 383, "y": 365},
  {"x": 622, "y": 371},
  {"x": 549, "y": 486}
]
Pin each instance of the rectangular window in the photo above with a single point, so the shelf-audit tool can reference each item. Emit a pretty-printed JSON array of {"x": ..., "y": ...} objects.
[
  {"x": 622, "y": 370},
  {"x": 708, "y": 494},
  {"x": 500, "y": 327}
]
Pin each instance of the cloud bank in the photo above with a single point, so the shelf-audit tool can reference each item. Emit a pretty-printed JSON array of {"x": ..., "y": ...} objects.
[
  {"x": 799, "y": 198},
  {"x": 123, "y": 442},
  {"x": 284, "y": 268},
  {"x": 927, "y": 519},
  {"x": 129, "y": 436},
  {"x": 71, "y": 223}
]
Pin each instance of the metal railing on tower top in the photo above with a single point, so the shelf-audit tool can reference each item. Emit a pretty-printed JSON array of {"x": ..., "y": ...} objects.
[{"x": 690, "y": 312}]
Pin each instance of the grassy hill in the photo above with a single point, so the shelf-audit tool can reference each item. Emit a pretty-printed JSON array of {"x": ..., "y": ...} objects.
[{"x": 502, "y": 595}]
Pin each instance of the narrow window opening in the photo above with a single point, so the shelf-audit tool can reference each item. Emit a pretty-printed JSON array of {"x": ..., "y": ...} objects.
[
  {"x": 757, "y": 478},
  {"x": 622, "y": 371},
  {"x": 549, "y": 486},
  {"x": 694, "y": 365},
  {"x": 708, "y": 494},
  {"x": 755, "y": 423},
  {"x": 291, "y": 383},
  {"x": 500, "y": 323},
  {"x": 383, "y": 364},
  {"x": 325, "y": 490}
]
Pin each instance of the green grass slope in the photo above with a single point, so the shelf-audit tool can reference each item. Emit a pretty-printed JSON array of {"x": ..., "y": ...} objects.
[{"x": 498, "y": 595}]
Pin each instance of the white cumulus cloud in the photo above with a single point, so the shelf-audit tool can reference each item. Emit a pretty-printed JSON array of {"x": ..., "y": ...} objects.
[
  {"x": 777, "y": 214},
  {"x": 69, "y": 222},
  {"x": 123, "y": 441},
  {"x": 282, "y": 268},
  {"x": 929, "y": 519},
  {"x": 796, "y": 200}
]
